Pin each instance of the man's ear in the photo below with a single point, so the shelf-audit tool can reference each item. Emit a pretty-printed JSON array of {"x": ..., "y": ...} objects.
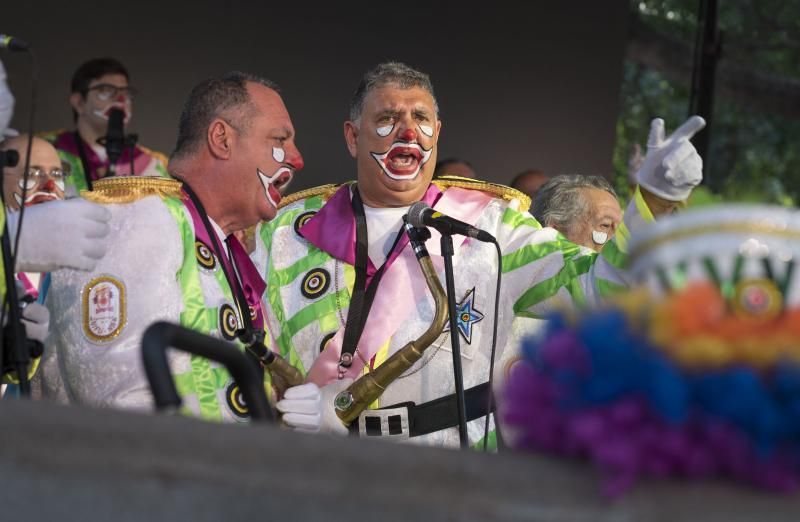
[
  {"x": 77, "y": 102},
  {"x": 219, "y": 138},
  {"x": 351, "y": 137}
]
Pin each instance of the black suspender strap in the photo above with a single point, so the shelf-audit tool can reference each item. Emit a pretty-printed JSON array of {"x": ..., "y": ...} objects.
[
  {"x": 362, "y": 298},
  {"x": 233, "y": 279}
]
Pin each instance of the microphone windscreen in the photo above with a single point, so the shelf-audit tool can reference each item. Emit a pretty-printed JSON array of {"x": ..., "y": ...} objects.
[{"x": 416, "y": 214}]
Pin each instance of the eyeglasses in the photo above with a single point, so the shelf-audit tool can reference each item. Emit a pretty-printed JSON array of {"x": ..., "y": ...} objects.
[
  {"x": 37, "y": 175},
  {"x": 106, "y": 91}
]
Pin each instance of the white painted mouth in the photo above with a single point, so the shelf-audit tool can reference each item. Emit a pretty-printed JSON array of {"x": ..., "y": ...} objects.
[
  {"x": 105, "y": 113},
  {"x": 385, "y": 159},
  {"x": 30, "y": 197},
  {"x": 268, "y": 181},
  {"x": 600, "y": 238}
]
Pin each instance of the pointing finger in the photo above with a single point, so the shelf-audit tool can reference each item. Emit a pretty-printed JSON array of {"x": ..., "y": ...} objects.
[{"x": 689, "y": 128}]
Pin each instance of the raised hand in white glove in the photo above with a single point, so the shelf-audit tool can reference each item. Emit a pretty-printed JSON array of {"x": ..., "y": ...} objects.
[
  {"x": 310, "y": 408},
  {"x": 672, "y": 166},
  {"x": 61, "y": 234},
  {"x": 36, "y": 319}
]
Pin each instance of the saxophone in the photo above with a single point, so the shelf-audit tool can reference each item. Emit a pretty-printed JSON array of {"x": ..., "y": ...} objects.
[
  {"x": 351, "y": 402},
  {"x": 283, "y": 374}
]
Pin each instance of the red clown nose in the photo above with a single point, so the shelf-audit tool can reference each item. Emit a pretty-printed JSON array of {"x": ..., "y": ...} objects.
[{"x": 408, "y": 135}]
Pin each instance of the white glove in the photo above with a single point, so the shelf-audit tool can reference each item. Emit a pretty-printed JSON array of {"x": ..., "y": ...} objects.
[
  {"x": 672, "y": 167},
  {"x": 58, "y": 234},
  {"x": 310, "y": 408},
  {"x": 36, "y": 319}
]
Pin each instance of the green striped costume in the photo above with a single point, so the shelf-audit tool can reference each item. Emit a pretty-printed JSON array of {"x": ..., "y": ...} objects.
[
  {"x": 541, "y": 270},
  {"x": 153, "y": 259}
]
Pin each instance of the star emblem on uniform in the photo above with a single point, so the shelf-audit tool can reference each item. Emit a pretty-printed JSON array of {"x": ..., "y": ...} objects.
[{"x": 467, "y": 315}]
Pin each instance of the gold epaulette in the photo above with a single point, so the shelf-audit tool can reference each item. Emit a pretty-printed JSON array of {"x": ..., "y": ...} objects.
[
  {"x": 126, "y": 189},
  {"x": 155, "y": 154},
  {"x": 501, "y": 191},
  {"x": 326, "y": 191}
]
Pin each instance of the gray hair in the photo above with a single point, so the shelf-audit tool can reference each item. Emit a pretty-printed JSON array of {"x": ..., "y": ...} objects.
[
  {"x": 224, "y": 97},
  {"x": 389, "y": 73},
  {"x": 560, "y": 202}
]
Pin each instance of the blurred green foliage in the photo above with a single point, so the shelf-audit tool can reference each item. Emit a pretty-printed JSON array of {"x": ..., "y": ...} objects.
[{"x": 754, "y": 154}]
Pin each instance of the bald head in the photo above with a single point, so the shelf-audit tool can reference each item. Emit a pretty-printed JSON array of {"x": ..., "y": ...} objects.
[
  {"x": 47, "y": 185},
  {"x": 529, "y": 182}
]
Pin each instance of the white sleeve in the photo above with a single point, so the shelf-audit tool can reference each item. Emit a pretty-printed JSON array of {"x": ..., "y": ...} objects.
[
  {"x": 98, "y": 317},
  {"x": 6, "y": 102}
]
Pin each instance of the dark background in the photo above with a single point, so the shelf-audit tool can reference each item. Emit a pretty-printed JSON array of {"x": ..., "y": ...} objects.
[{"x": 518, "y": 86}]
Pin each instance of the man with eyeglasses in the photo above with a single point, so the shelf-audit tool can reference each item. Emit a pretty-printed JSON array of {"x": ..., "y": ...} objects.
[
  {"x": 45, "y": 179},
  {"x": 99, "y": 86},
  {"x": 44, "y": 182},
  {"x": 55, "y": 234}
]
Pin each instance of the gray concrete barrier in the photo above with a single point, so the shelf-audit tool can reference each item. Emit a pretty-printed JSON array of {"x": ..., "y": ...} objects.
[{"x": 70, "y": 464}]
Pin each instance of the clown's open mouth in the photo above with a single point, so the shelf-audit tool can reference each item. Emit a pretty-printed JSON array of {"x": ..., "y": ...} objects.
[
  {"x": 403, "y": 160},
  {"x": 34, "y": 198},
  {"x": 272, "y": 184}
]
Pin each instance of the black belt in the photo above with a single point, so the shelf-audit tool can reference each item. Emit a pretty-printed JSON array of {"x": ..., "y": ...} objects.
[{"x": 412, "y": 420}]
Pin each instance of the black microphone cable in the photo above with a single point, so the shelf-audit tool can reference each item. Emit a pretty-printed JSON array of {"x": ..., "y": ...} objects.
[{"x": 494, "y": 351}]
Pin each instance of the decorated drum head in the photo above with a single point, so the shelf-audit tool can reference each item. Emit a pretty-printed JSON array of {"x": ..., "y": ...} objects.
[{"x": 749, "y": 252}]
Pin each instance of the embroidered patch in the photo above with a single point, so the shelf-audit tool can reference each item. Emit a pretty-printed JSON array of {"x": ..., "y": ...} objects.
[
  {"x": 104, "y": 309},
  {"x": 315, "y": 283},
  {"x": 301, "y": 220},
  {"x": 467, "y": 316},
  {"x": 324, "y": 342},
  {"x": 228, "y": 324},
  {"x": 235, "y": 400},
  {"x": 205, "y": 257}
]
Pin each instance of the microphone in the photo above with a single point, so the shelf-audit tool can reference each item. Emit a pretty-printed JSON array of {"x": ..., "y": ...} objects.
[
  {"x": 114, "y": 140},
  {"x": 421, "y": 215},
  {"x": 12, "y": 44}
]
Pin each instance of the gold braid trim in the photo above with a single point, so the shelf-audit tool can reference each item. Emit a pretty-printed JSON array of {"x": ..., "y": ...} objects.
[
  {"x": 501, "y": 191},
  {"x": 326, "y": 191},
  {"x": 160, "y": 156},
  {"x": 126, "y": 189}
]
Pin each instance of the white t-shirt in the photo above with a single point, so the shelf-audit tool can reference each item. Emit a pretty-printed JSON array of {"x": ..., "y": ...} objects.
[{"x": 383, "y": 225}]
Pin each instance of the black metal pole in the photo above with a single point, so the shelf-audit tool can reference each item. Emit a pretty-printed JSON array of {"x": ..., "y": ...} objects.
[
  {"x": 160, "y": 336},
  {"x": 15, "y": 355},
  {"x": 447, "y": 253},
  {"x": 707, "y": 51}
]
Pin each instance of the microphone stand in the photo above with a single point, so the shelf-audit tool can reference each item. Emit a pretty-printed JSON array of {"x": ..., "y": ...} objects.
[
  {"x": 17, "y": 357},
  {"x": 447, "y": 253}
]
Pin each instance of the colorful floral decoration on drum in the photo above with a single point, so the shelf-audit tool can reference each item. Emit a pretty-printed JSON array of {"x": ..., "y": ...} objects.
[{"x": 692, "y": 385}]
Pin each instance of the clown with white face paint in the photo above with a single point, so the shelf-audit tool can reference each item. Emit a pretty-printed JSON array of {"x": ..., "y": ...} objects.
[
  {"x": 311, "y": 258},
  {"x": 234, "y": 151},
  {"x": 45, "y": 179},
  {"x": 98, "y": 87}
]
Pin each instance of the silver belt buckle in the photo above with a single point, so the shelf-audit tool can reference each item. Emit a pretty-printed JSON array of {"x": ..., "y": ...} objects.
[{"x": 391, "y": 422}]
